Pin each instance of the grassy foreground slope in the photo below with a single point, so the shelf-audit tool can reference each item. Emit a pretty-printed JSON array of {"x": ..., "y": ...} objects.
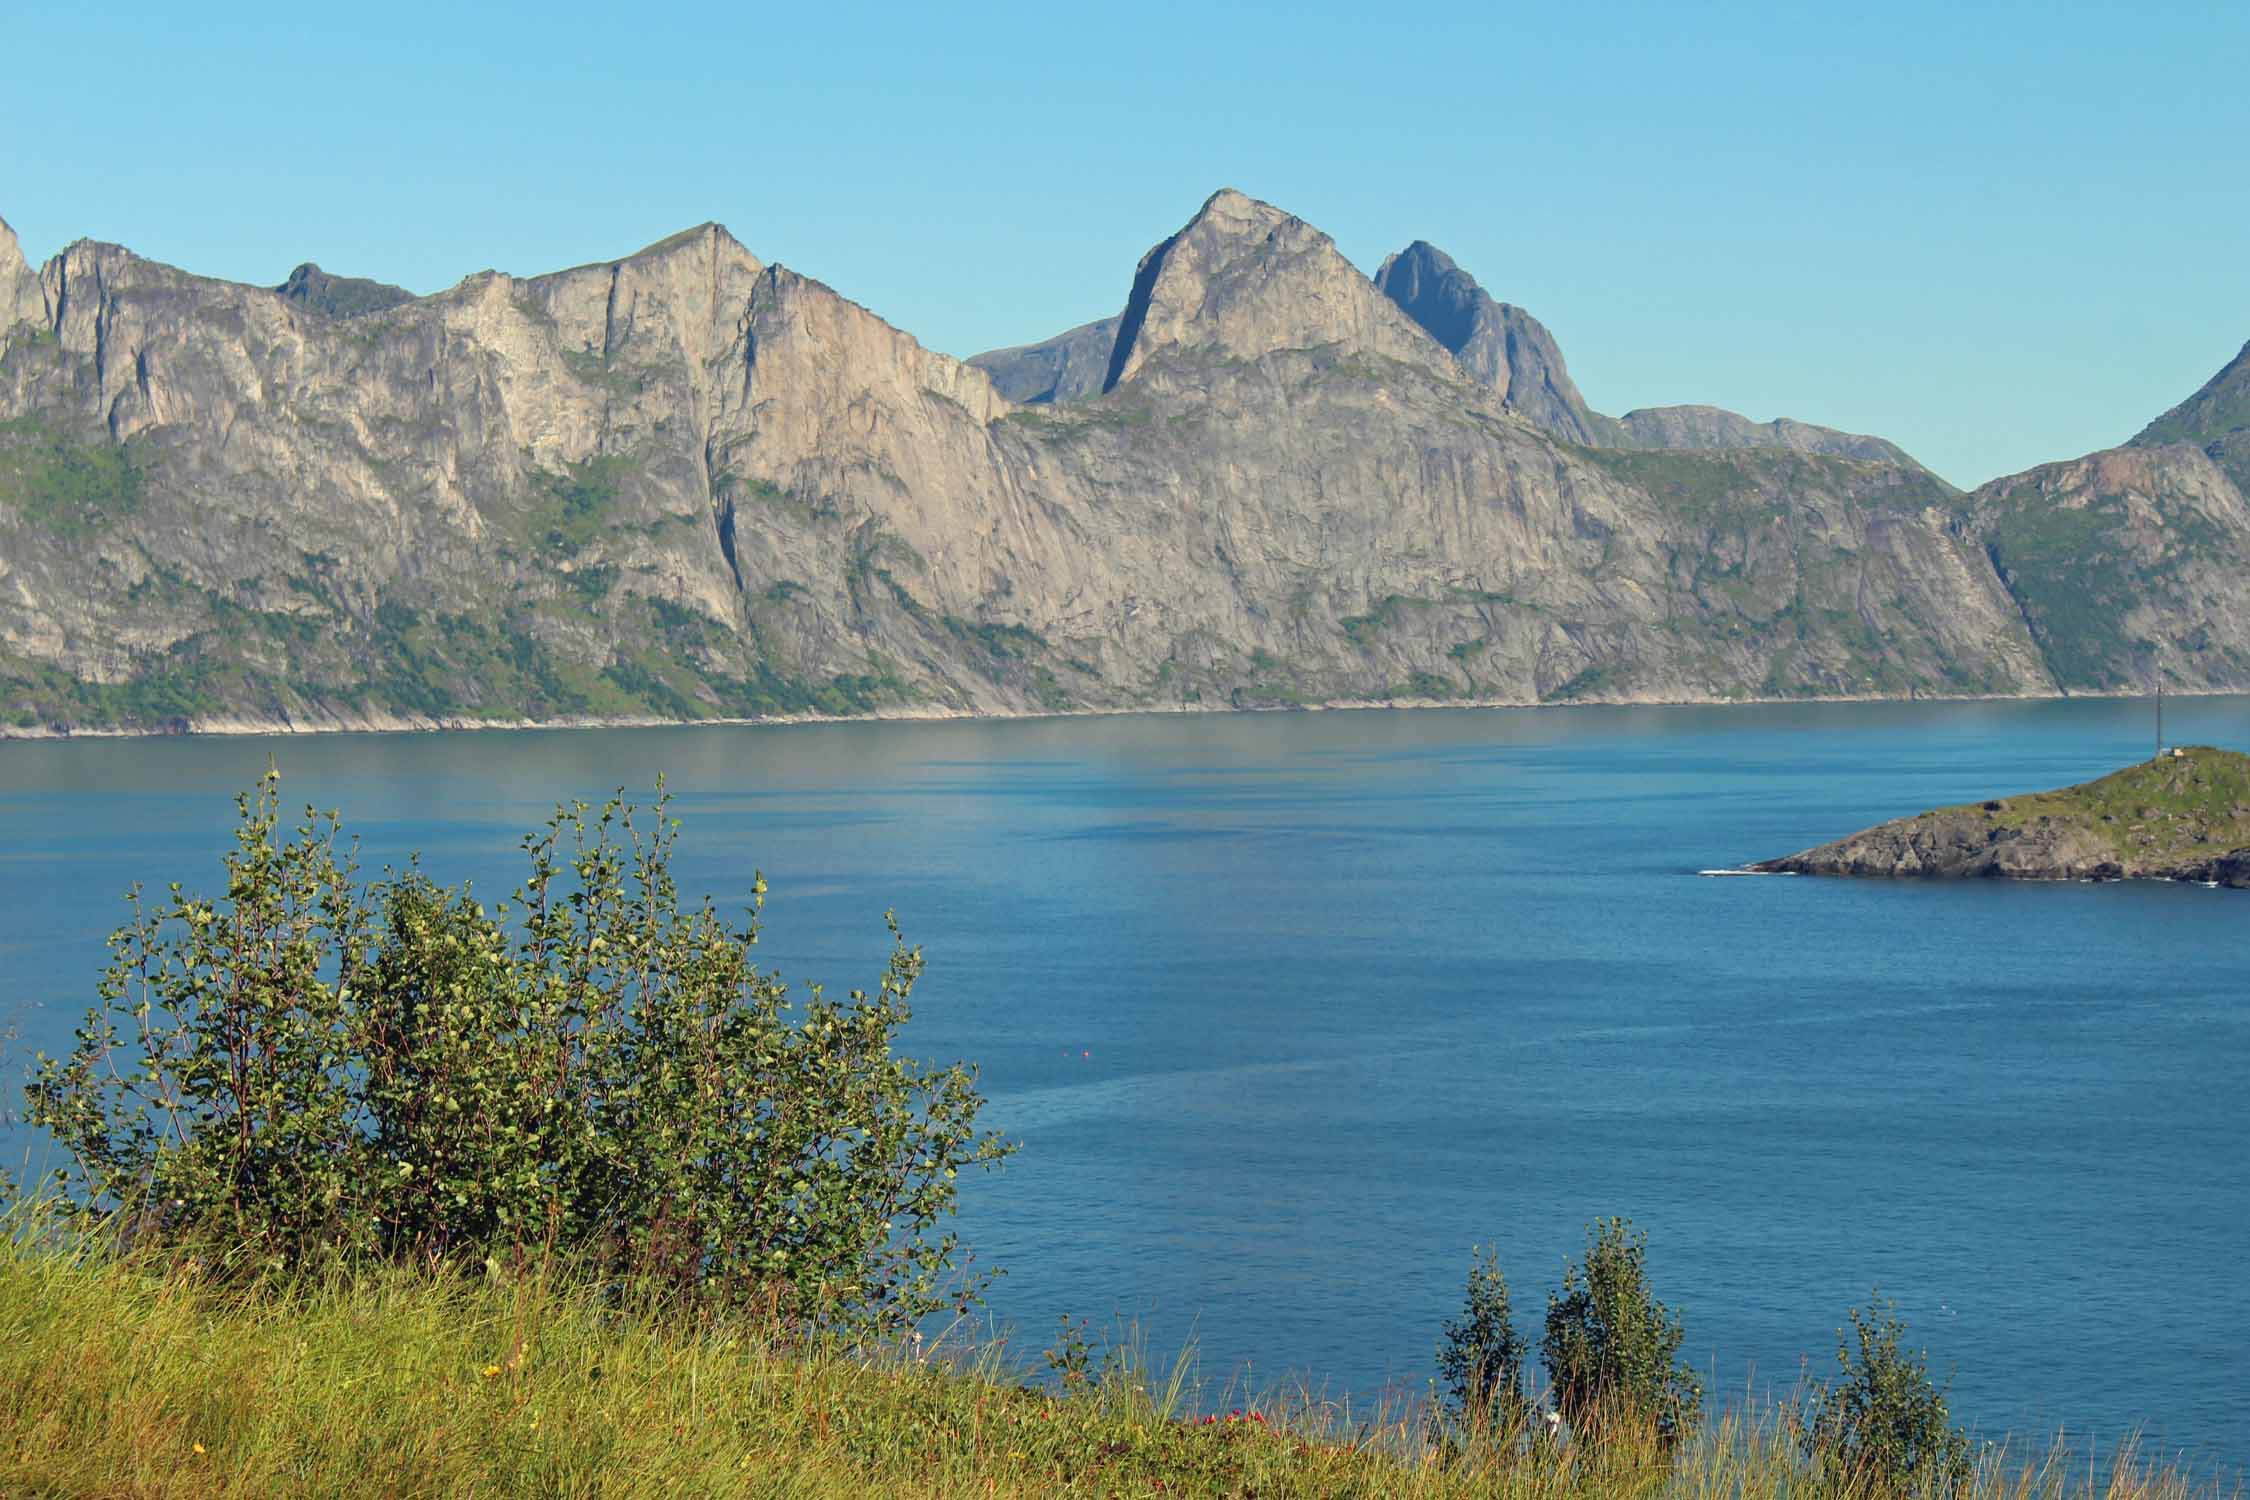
[{"x": 123, "y": 1379}]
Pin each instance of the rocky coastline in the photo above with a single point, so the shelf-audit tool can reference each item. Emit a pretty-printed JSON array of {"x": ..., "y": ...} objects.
[{"x": 2182, "y": 816}]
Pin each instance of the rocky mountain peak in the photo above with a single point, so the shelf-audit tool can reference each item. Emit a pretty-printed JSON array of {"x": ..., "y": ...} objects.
[
  {"x": 686, "y": 292},
  {"x": 1244, "y": 279},
  {"x": 710, "y": 237},
  {"x": 1433, "y": 290},
  {"x": 339, "y": 296},
  {"x": 1502, "y": 346}
]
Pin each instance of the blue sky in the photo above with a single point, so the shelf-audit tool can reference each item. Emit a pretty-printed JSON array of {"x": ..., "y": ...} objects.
[{"x": 1997, "y": 234}]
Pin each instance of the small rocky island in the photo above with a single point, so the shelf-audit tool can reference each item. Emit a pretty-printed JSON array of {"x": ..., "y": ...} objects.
[{"x": 2182, "y": 816}]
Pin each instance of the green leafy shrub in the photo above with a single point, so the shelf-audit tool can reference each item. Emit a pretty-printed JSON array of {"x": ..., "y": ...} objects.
[
  {"x": 1886, "y": 1423},
  {"x": 313, "y": 1070},
  {"x": 1611, "y": 1349},
  {"x": 1481, "y": 1358}
]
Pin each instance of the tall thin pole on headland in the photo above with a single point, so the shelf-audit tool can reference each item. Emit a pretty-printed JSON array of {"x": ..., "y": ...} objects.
[{"x": 2159, "y": 715}]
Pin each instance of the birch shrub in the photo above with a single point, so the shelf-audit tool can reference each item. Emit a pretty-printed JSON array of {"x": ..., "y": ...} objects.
[
  {"x": 310, "y": 1070},
  {"x": 1481, "y": 1358},
  {"x": 1885, "y": 1424},
  {"x": 1611, "y": 1349}
]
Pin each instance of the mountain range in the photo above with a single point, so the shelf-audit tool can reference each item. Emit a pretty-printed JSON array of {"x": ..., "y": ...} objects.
[{"x": 688, "y": 484}]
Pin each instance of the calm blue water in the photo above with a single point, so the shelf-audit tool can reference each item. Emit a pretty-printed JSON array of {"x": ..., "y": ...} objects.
[{"x": 1289, "y": 1011}]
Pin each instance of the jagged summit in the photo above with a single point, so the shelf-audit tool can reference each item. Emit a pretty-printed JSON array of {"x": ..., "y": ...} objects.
[
  {"x": 1243, "y": 279},
  {"x": 2216, "y": 419},
  {"x": 1423, "y": 276},
  {"x": 340, "y": 296},
  {"x": 1501, "y": 345}
]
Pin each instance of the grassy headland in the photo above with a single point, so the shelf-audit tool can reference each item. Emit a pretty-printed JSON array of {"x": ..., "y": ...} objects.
[
  {"x": 2184, "y": 815},
  {"x": 2174, "y": 807}
]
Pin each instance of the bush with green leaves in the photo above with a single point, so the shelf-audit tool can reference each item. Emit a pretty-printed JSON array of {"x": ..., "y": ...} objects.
[
  {"x": 310, "y": 1069},
  {"x": 1611, "y": 1349},
  {"x": 1886, "y": 1423},
  {"x": 1481, "y": 1358}
]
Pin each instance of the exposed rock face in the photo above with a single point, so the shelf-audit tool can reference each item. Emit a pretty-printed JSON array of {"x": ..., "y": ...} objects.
[
  {"x": 1958, "y": 843},
  {"x": 2215, "y": 419},
  {"x": 2180, "y": 817},
  {"x": 20, "y": 299},
  {"x": 1244, "y": 279},
  {"x": 2125, "y": 563},
  {"x": 340, "y": 296},
  {"x": 1063, "y": 368},
  {"x": 1499, "y": 344},
  {"x": 1713, "y": 427},
  {"x": 686, "y": 484}
]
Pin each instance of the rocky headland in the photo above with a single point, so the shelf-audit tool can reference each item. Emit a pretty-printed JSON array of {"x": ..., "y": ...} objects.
[{"x": 2182, "y": 816}]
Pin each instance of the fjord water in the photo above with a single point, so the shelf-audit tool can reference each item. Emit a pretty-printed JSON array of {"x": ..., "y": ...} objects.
[{"x": 1290, "y": 1011}]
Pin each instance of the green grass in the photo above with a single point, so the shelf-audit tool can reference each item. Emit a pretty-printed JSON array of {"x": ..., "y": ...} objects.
[
  {"x": 1388, "y": 612},
  {"x": 2197, "y": 802},
  {"x": 68, "y": 488},
  {"x": 1588, "y": 683},
  {"x": 572, "y": 506},
  {"x": 176, "y": 686},
  {"x": 765, "y": 494},
  {"x": 589, "y": 368},
  {"x": 134, "y": 1377},
  {"x": 2076, "y": 578},
  {"x": 1740, "y": 486},
  {"x": 1429, "y": 685},
  {"x": 1007, "y": 642}
]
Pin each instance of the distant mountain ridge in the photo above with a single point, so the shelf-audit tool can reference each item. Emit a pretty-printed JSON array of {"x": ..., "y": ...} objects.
[
  {"x": 1496, "y": 343},
  {"x": 688, "y": 484}
]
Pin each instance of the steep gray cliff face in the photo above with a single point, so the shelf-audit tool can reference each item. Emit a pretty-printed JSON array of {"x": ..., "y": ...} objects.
[
  {"x": 686, "y": 484},
  {"x": 2215, "y": 419},
  {"x": 2125, "y": 564},
  {"x": 20, "y": 299},
  {"x": 1063, "y": 368},
  {"x": 1501, "y": 345}
]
